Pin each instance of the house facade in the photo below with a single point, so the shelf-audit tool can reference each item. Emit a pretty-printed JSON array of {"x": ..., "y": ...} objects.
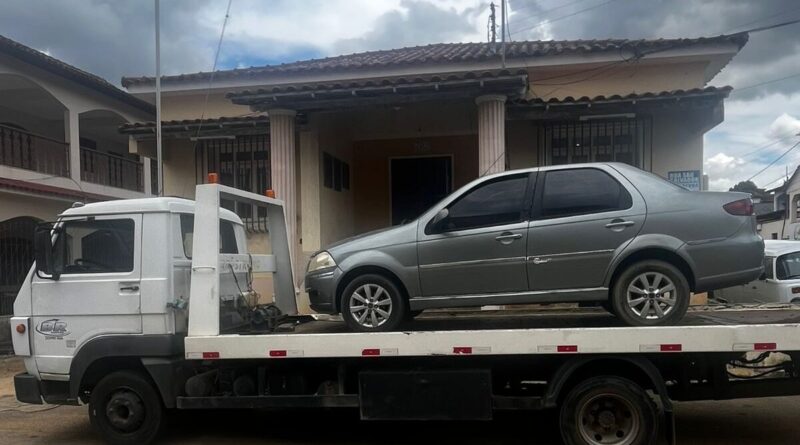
[
  {"x": 363, "y": 141},
  {"x": 59, "y": 143}
]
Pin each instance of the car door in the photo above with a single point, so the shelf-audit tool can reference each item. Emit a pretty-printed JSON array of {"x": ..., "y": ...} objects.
[
  {"x": 97, "y": 293},
  {"x": 479, "y": 248},
  {"x": 581, "y": 218}
]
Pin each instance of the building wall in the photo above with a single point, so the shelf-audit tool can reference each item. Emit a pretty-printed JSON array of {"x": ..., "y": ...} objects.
[
  {"x": 603, "y": 79},
  {"x": 13, "y": 205}
]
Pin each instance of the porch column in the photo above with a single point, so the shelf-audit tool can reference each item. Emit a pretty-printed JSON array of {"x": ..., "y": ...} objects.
[
  {"x": 491, "y": 134},
  {"x": 283, "y": 172},
  {"x": 73, "y": 138}
]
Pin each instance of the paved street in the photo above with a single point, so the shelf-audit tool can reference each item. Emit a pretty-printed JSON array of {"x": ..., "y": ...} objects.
[{"x": 745, "y": 422}]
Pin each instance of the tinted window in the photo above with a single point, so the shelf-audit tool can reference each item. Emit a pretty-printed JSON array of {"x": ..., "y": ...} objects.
[
  {"x": 98, "y": 246},
  {"x": 581, "y": 191},
  {"x": 227, "y": 236},
  {"x": 768, "y": 272},
  {"x": 490, "y": 204}
]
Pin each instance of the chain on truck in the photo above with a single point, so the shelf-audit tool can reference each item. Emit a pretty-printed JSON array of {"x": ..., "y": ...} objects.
[{"x": 136, "y": 307}]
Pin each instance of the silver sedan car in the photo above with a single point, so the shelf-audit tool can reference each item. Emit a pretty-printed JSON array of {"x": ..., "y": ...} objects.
[{"x": 605, "y": 232}]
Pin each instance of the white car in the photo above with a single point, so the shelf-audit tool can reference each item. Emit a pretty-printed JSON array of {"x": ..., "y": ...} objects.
[{"x": 780, "y": 282}]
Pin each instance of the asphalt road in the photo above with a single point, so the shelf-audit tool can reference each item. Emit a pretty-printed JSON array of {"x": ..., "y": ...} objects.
[{"x": 771, "y": 421}]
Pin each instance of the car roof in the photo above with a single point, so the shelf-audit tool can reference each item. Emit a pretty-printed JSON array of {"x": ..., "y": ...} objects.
[
  {"x": 780, "y": 247},
  {"x": 142, "y": 205}
]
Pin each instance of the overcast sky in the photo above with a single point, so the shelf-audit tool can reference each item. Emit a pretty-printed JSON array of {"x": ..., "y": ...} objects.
[{"x": 113, "y": 38}]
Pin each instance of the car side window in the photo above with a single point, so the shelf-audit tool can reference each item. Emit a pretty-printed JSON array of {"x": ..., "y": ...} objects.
[
  {"x": 495, "y": 202},
  {"x": 98, "y": 246},
  {"x": 227, "y": 236},
  {"x": 581, "y": 191},
  {"x": 769, "y": 272}
]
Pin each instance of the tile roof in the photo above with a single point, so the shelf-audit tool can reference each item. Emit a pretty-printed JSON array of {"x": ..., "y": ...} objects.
[
  {"x": 672, "y": 94},
  {"x": 193, "y": 124},
  {"x": 51, "y": 64},
  {"x": 441, "y": 53}
]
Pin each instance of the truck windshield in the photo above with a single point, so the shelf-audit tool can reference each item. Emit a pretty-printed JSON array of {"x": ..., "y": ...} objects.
[{"x": 788, "y": 266}]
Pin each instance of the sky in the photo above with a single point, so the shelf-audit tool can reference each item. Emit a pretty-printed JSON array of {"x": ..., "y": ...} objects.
[{"x": 115, "y": 38}]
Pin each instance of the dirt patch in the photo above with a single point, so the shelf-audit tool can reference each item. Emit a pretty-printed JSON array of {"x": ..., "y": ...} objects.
[{"x": 9, "y": 367}]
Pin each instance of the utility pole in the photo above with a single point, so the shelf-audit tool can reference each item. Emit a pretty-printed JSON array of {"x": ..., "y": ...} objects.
[
  {"x": 503, "y": 32},
  {"x": 492, "y": 24},
  {"x": 159, "y": 156}
]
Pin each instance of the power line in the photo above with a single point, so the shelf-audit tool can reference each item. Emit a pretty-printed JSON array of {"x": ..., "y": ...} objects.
[
  {"x": 764, "y": 147},
  {"x": 545, "y": 12},
  {"x": 767, "y": 82},
  {"x": 214, "y": 66},
  {"x": 760, "y": 19},
  {"x": 580, "y": 11},
  {"x": 776, "y": 160}
]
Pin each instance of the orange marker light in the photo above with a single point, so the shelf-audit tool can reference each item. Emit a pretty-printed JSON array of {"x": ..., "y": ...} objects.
[
  {"x": 213, "y": 178},
  {"x": 21, "y": 328},
  {"x": 270, "y": 193}
]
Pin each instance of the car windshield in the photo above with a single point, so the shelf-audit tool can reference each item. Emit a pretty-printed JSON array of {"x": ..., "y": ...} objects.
[{"x": 788, "y": 266}]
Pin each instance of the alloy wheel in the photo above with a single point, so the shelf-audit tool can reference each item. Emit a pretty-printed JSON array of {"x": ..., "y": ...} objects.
[
  {"x": 370, "y": 305},
  {"x": 651, "y": 295}
]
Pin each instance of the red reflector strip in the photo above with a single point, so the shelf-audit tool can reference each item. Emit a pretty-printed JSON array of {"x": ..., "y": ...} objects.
[
  {"x": 671, "y": 348},
  {"x": 210, "y": 355},
  {"x": 277, "y": 353},
  {"x": 567, "y": 348},
  {"x": 371, "y": 352},
  {"x": 765, "y": 346},
  {"x": 462, "y": 350}
]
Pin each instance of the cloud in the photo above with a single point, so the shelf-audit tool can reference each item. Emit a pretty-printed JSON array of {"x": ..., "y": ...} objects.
[{"x": 784, "y": 126}]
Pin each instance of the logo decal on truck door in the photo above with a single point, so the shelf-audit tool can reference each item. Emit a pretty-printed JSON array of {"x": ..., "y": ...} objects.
[{"x": 53, "y": 328}]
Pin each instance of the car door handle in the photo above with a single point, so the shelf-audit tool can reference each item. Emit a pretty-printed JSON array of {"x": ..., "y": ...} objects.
[
  {"x": 130, "y": 288},
  {"x": 538, "y": 260},
  {"x": 508, "y": 236},
  {"x": 619, "y": 223}
]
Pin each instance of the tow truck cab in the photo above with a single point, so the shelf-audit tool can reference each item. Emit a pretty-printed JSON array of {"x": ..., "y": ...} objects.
[{"x": 117, "y": 284}]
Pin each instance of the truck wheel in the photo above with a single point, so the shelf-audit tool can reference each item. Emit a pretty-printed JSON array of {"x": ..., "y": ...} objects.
[
  {"x": 650, "y": 293},
  {"x": 126, "y": 409},
  {"x": 608, "y": 410},
  {"x": 372, "y": 303}
]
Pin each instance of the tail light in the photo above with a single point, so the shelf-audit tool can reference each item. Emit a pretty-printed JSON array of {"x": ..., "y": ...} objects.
[{"x": 742, "y": 207}]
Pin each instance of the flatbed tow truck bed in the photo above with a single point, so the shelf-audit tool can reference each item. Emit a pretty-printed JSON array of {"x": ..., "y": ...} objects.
[{"x": 704, "y": 329}]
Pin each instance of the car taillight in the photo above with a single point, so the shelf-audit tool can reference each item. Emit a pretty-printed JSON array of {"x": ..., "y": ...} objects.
[{"x": 742, "y": 207}]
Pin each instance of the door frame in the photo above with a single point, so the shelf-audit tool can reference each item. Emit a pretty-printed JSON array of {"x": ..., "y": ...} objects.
[{"x": 451, "y": 158}]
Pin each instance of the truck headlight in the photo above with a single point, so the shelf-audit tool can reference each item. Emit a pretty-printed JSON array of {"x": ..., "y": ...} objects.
[{"x": 322, "y": 260}]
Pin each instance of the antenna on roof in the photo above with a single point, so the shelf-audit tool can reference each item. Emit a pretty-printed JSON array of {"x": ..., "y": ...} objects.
[
  {"x": 492, "y": 26},
  {"x": 503, "y": 32}
]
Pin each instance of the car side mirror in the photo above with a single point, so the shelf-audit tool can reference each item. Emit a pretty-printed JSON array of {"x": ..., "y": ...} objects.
[
  {"x": 46, "y": 253},
  {"x": 441, "y": 215}
]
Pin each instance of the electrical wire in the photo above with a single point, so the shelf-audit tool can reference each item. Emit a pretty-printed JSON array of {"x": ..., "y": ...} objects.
[
  {"x": 767, "y": 82},
  {"x": 548, "y": 21},
  {"x": 779, "y": 13},
  {"x": 214, "y": 66},
  {"x": 773, "y": 162},
  {"x": 545, "y": 12}
]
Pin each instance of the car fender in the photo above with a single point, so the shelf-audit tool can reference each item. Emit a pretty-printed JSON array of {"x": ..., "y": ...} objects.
[
  {"x": 405, "y": 271},
  {"x": 643, "y": 242}
]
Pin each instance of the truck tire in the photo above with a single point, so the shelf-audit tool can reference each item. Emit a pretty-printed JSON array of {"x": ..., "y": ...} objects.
[
  {"x": 372, "y": 303},
  {"x": 126, "y": 409},
  {"x": 650, "y": 293},
  {"x": 608, "y": 410}
]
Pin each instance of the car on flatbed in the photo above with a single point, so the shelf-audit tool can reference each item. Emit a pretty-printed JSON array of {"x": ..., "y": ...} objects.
[
  {"x": 780, "y": 282},
  {"x": 599, "y": 232}
]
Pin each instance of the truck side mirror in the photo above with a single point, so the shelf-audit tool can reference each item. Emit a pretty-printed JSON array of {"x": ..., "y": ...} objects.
[{"x": 45, "y": 252}]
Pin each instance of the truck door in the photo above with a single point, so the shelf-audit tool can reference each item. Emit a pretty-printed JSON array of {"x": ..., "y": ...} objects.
[{"x": 97, "y": 293}]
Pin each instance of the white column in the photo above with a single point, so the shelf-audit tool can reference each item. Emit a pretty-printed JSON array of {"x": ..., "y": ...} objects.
[
  {"x": 282, "y": 161},
  {"x": 491, "y": 134},
  {"x": 310, "y": 191},
  {"x": 73, "y": 138}
]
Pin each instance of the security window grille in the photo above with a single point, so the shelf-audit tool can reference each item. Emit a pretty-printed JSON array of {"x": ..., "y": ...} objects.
[
  {"x": 335, "y": 173},
  {"x": 243, "y": 163},
  {"x": 613, "y": 140}
]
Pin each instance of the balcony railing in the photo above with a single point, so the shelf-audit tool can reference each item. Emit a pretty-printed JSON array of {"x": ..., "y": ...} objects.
[
  {"x": 30, "y": 151},
  {"x": 112, "y": 170}
]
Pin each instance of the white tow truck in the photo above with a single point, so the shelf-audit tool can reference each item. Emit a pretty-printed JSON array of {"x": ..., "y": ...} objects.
[{"x": 139, "y": 307}]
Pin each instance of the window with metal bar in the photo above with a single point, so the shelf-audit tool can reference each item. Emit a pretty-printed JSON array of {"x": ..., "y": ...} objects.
[{"x": 595, "y": 140}]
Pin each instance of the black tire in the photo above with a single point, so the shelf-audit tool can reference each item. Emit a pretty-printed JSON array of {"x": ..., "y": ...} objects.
[
  {"x": 410, "y": 315},
  {"x": 398, "y": 308},
  {"x": 681, "y": 296},
  {"x": 126, "y": 409},
  {"x": 608, "y": 409}
]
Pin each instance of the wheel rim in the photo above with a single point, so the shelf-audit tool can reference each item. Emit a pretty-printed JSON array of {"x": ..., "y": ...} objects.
[
  {"x": 652, "y": 295},
  {"x": 125, "y": 410},
  {"x": 370, "y": 305},
  {"x": 608, "y": 419}
]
